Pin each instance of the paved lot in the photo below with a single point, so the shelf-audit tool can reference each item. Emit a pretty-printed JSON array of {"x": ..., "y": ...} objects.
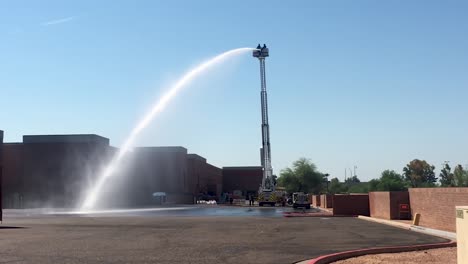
[{"x": 131, "y": 238}]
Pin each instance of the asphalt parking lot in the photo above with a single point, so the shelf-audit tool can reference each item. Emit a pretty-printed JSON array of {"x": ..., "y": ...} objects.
[{"x": 259, "y": 237}]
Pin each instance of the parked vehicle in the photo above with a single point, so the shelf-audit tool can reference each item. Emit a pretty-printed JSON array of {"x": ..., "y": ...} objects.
[{"x": 301, "y": 200}]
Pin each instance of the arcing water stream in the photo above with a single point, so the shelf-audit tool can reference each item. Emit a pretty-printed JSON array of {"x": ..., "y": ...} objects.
[{"x": 92, "y": 193}]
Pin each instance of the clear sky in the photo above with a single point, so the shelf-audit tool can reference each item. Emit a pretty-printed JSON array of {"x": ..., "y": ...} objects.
[{"x": 372, "y": 84}]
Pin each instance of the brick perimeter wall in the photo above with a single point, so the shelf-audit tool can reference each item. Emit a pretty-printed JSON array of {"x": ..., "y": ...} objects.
[
  {"x": 379, "y": 204},
  {"x": 437, "y": 206},
  {"x": 326, "y": 201},
  {"x": 316, "y": 200},
  {"x": 351, "y": 204},
  {"x": 386, "y": 205},
  {"x": 397, "y": 198}
]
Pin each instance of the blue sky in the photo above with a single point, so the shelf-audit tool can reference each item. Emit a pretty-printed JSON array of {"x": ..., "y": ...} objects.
[{"x": 371, "y": 84}]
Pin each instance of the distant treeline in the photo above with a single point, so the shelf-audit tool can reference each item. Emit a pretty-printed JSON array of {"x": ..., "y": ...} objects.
[{"x": 303, "y": 176}]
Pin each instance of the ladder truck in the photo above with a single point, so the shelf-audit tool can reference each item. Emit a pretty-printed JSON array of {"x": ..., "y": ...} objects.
[{"x": 266, "y": 192}]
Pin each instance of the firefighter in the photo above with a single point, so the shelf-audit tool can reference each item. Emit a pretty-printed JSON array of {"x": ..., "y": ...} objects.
[{"x": 251, "y": 200}]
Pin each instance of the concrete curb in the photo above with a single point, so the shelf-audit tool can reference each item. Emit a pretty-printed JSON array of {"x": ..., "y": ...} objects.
[
  {"x": 434, "y": 232},
  {"x": 324, "y": 209},
  {"x": 325, "y": 215},
  {"x": 360, "y": 252},
  {"x": 420, "y": 229},
  {"x": 386, "y": 222}
]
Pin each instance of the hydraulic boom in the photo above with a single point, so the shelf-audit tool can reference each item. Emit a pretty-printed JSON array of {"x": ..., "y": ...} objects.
[{"x": 267, "y": 182}]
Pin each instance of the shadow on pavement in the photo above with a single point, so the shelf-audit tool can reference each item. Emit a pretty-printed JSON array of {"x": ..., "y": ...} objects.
[{"x": 11, "y": 227}]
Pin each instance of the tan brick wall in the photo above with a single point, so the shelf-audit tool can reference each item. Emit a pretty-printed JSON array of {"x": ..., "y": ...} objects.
[
  {"x": 326, "y": 201},
  {"x": 437, "y": 206},
  {"x": 379, "y": 204},
  {"x": 316, "y": 200},
  {"x": 351, "y": 204},
  {"x": 386, "y": 205}
]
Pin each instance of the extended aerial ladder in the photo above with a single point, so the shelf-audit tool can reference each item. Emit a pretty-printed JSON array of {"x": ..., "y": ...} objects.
[{"x": 266, "y": 191}]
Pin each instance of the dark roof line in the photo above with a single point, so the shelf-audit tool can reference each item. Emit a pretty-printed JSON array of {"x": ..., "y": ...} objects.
[
  {"x": 242, "y": 168},
  {"x": 65, "y": 138}
]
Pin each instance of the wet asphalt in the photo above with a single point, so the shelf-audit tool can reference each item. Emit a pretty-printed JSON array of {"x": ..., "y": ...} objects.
[{"x": 189, "y": 235}]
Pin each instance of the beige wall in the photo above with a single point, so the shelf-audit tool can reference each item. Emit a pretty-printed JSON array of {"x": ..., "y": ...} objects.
[
  {"x": 386, "y": 205},
  {"x": 462, "y": 234},
  {"x": 316, "y": 200},
  {"x": 437, "y": 206},
  {"x": 379, "y": 204}
]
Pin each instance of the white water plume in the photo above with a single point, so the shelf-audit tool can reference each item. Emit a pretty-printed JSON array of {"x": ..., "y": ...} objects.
[{"x": 93, "y": 193}]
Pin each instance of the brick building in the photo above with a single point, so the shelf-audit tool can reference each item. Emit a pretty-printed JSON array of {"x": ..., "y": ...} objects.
[
  {"x": 244, "y": 179},
  {"x": 167, "y": 171},
  {"x": 12, "y": 174},
  {"x": 207, "y": 179},
  {"x": 49, "y": 171},
  {"x": 53, "y": 171}
]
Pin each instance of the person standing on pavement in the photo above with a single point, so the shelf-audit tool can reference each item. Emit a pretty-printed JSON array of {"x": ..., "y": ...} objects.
[{"x": 251, "y": 200}]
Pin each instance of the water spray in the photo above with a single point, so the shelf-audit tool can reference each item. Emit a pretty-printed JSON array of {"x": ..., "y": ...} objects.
[{"x": 93, "y": 193}]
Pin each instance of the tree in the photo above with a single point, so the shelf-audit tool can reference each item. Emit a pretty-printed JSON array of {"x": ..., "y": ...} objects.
[
  {"x": 336, "y": 186},
  {"x": 460, "y": 176},
  {"x": 446, "y": 177},
  {"x": 362, "y": 187},
  {"x": 353, "y": 179},
  {"x": 391, "y": 181},
  {"x": 419, "y": 173},
  {"x": 302, "y": 177},
  {"x": 288, "y": 180},
  {"x": 374, "y": 185},
  {"x": 354, "y": 185}
]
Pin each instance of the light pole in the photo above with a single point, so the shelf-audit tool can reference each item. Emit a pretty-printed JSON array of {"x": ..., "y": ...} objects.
[{"x": 326, "y": 179}]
